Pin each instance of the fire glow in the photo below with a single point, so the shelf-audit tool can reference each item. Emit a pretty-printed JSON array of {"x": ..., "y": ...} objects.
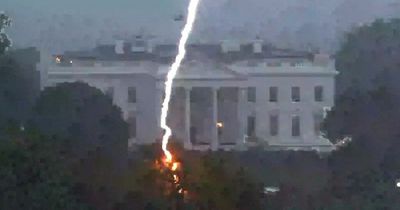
[{"x": 169, "y": 161}]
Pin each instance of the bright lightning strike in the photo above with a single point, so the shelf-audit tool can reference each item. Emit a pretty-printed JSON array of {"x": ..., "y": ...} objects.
[{"x": 192, "y": 11}]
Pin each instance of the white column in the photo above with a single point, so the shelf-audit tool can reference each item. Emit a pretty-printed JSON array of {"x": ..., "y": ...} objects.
[
  {"x": 159, "y": 101},
  {"x": 241, "y": 117},
  {"x": 187, "y": 142},
  {"x": 214, "y": 138}
]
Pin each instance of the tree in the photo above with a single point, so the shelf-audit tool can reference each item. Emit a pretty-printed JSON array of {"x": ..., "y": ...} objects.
[
  {"x": 83, "y": 118},
  {"x": 33, "y": 176},
  {"x": 210, "y": 181},
  {"x": 5, "y": 41},
  {"x": 367, "y": 110},
  {"x": 217, "y": 181},
  {"x": 92, "y": 134},
  {"x": 17, "y": 93},
  {"x": 366, "y": 106},
  {"x": 368, "y": 97},
  {"x": 368, "y": 57},
  {"x": 18, "y": 82}
]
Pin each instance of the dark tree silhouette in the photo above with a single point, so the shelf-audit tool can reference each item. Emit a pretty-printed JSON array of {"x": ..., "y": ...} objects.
[{"x": 5, "y": 41}]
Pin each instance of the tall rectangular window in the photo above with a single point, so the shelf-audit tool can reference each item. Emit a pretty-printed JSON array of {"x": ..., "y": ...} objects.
[
  {"x": 296, "y": 94},
  {"x": 273, "y": 124},
  {"x": 251, "y": 126},
  {"x": 295, "y": 126},
  {"x": 319, "y": 93},
  {"x": 109, "y": 92},
  {"x": 132, "y": 125},
  {"x": 251, "y": 94},
  {"x": 132, "y": 94},
  {"x": 273, "y": 94}
]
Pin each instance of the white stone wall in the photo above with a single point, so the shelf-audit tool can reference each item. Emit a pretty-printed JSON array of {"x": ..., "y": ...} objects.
[{"x": 285, "y": 108}]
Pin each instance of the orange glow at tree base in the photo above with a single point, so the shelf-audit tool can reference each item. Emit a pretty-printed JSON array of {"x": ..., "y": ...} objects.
[{"x": 174, "y": 167}]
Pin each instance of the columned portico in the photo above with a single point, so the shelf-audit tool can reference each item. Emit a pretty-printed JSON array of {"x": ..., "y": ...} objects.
[
  {"x": 203, "y": 113},
  {"x": 159, "y": 100},
  {"x": 214, "y": 137},
  {"x": 241, "y": 117}
]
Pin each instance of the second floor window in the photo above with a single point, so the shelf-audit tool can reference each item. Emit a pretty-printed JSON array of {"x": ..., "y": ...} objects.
[
  {"x": 131, "y": 94},
  {"x": 318, "y": 93},
  {"x": 273, "y": 94},
  {"x": 251, "y": 94},
  {"x": 295, "y": 94}
]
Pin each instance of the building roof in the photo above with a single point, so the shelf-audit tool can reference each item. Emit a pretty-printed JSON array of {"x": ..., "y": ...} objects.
[
  {"x": 107, "y": 52},
  {"x": 165, "y": 53},
  {"x": 196, "y": 70}
]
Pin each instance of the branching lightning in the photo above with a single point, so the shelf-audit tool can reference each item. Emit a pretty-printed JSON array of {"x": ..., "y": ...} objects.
[{"x": 192, "y": 12}]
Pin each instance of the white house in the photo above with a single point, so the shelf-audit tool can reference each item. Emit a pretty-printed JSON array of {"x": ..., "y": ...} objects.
[{"x": 226, "y": 95}]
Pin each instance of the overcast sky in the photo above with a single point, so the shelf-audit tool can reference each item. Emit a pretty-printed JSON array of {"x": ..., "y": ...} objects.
[{"x": 58, "y": 25}]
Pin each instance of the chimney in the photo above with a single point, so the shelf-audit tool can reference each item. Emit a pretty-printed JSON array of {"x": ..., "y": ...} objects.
[
  {"x": 139, "y": 44},
  {"x": 119, "y": 47},
  {"x": 150, "y": 46}
]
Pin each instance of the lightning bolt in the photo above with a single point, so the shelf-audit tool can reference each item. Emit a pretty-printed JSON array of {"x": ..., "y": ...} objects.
[{"x": 186, "y": 31}]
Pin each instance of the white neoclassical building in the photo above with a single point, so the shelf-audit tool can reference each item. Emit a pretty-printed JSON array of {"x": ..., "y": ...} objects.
[{"x": 225, "y": 96}]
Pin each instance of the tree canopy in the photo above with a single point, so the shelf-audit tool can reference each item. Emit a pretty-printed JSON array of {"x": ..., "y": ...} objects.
[
  {"x": 369, "y": 56},
  {"x": 366, "y": 109},
  {"x": 5, "y": 41},
  {"x": 17, "y": 93},
  {"x": 83, "y": 118},
  {"x": 33, "y": 178}
]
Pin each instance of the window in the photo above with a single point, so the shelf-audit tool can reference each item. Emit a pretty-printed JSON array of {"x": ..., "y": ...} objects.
[
  {"x": 295, "y": 126},
  {"x": 295, "y": 94},
  {"x": 318, "y": 119},
  {"x": 109, "y": 92},
  {"x": 273, "y": 125},
  {"x": 251, "y": 94},
  {"x": 132, "y": 125},
  {"x": 131, "y": 94},
  {"x": 251, "y": 126},
  {"x": 319, "y": 93},
  {"x": 273, "y": 94}
]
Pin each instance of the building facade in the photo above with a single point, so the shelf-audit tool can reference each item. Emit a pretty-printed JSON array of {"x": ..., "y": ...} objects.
[{"x": 225, "y": 96}]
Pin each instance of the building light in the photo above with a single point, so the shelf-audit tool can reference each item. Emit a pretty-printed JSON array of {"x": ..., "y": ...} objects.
[
  {"x": 70, "y": 62},
  {"x": 398, "y": 183},
  {"x": 271, "y": 190},
  {"x": 220, "y": 124}
]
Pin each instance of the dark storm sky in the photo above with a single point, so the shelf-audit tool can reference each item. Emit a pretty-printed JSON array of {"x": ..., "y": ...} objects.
[{"x": 57, "y": 25}]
